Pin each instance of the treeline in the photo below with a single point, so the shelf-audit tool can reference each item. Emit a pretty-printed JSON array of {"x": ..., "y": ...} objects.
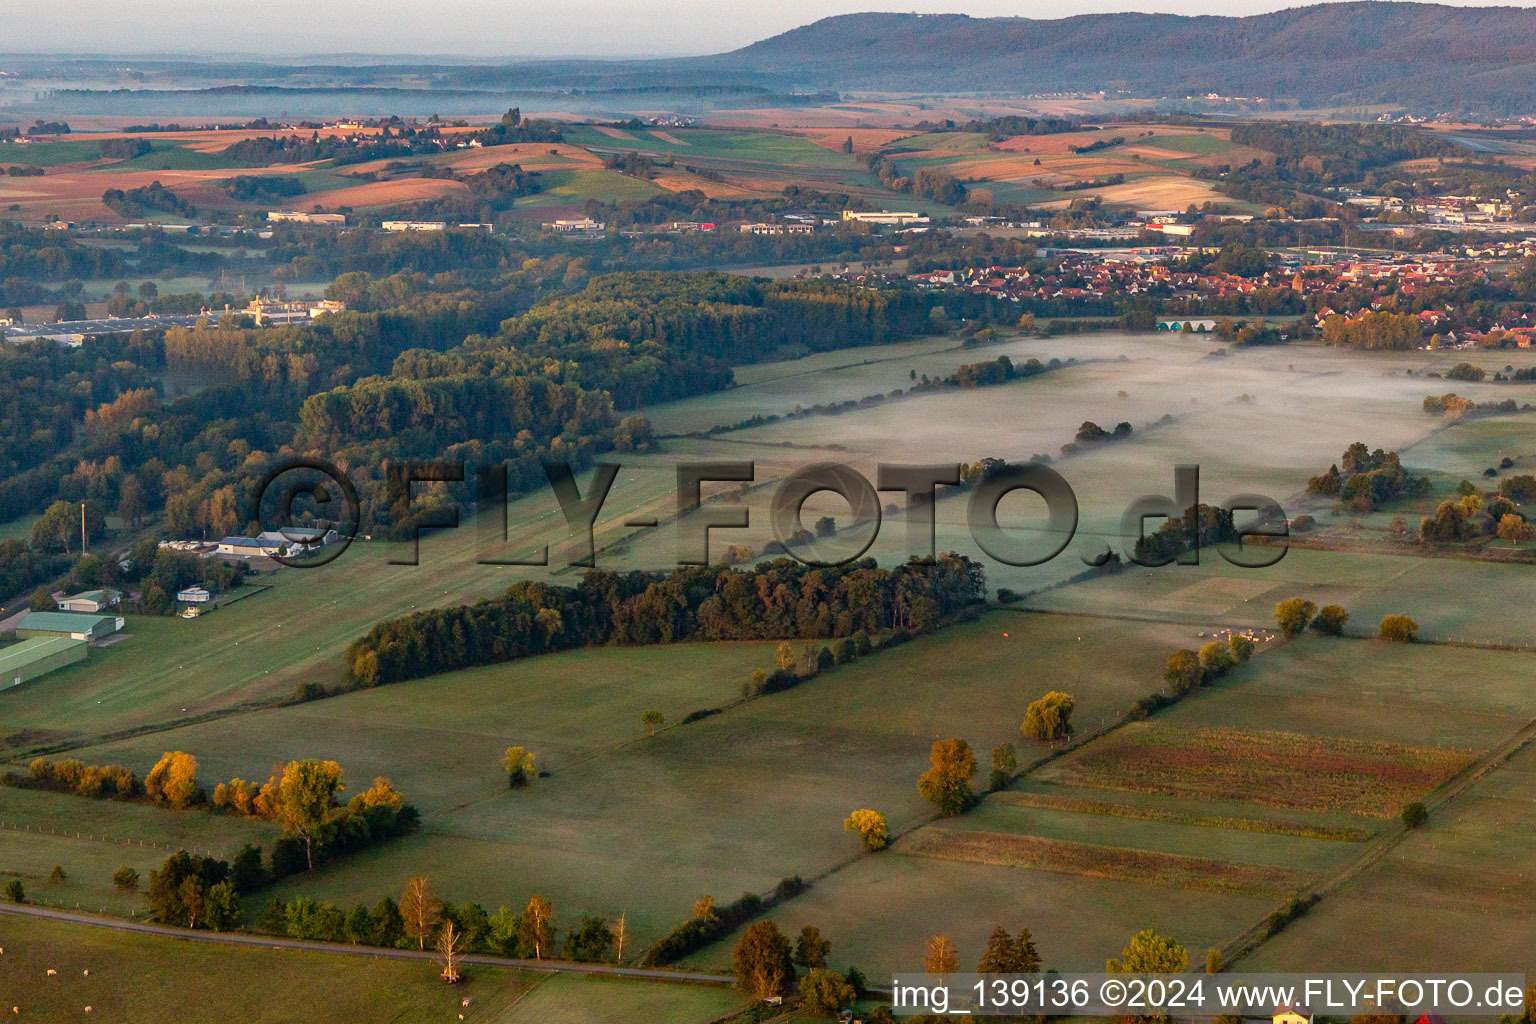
[
  {"x": 1375, "y": 330},
  {"x": 302, "y": 798},
  {"x": 1338, "y": 153},
  {"x": 265, "y": 151},
  {"x": 492, "y": 191},
  {"x": 264, "y": 188},
  {"x": 783, "y": 599},
  {"x": 135, "y": 202},
  {"x": 29, "y": 255}
]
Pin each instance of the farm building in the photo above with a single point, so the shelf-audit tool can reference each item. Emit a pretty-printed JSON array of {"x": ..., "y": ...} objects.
[
  {"x": 91, "y": 601},
  {"x": 68, "y": 624},
  {"x": 248, "y": 547},
  {"x": 194, "y": 595},
  {"x": 37, "y": 657},
  {"x": 1200, "y": 326}
]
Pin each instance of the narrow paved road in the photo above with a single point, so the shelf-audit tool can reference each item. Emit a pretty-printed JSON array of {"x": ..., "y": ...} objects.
[{"x": 334, "y": 948}]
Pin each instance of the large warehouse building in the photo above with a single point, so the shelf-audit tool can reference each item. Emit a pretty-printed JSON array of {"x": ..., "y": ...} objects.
[
  {"x": 37, "y": 657},
  {"x": 68, "y": 624}
]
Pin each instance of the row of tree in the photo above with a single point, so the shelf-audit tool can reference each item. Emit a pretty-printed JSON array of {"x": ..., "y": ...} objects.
[{"x": 782, "y": 599}]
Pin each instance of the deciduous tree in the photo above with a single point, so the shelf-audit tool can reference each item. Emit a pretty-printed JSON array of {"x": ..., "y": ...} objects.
[
  {"x": 811, "y": 949},
  {"x": 420, "y": 910},
  {"x": 941, "y": 956},
  {"x": 825, "y": 992},
  {"x": 173, "y": 779},
  {"x": 305, "y": 796},
  {"x": 871, "y": 827},
  {"x": 1050, "y": 717},
  {"x": 947, "y": 782},
  {"x": 519, "y": 764},
  {"x": 535, "y": 929},
  {"x": 1331, "y": 619},
  {"x": 762, "y": 960},
  {"x": 1293, "y": 614},
  {"x": 1149, "y": 953}
]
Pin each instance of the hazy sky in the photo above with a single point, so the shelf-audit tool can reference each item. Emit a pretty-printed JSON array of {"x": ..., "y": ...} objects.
[{"x": 482, "y": 27}]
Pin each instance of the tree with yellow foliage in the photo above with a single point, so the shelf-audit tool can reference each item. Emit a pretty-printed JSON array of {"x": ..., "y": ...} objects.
[
  {"x": 173, "y": 780},
  {"x": 305, "y": 795},
  {"x": 519, "y": 765},
  {"x": 871, "y": 827}
]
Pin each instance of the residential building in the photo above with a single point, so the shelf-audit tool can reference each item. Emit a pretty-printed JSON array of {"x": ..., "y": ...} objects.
[{"x": 1293, "y": 1013}]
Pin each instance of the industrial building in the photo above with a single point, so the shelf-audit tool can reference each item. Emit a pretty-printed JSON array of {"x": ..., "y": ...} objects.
[
  {"x": 37, "y": 657},
  {"x": 68, "y": 624}
]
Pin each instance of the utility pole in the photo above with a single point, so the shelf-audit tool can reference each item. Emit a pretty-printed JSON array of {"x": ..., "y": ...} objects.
[{"x": 82, "y": 528}]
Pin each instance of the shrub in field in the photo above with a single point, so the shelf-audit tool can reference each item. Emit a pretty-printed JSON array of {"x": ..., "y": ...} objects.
[
  {"x": 1330, "y": 620},
  {"x": 1399, "y": 629},
  {"x": 1005, "y": 761},
  {"x": 1293, "y": 614},
  {"x": 1415, "y": 814}
]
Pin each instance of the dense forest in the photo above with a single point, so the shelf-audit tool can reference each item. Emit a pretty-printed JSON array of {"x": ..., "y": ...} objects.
[{"x": 409, "y": 372}]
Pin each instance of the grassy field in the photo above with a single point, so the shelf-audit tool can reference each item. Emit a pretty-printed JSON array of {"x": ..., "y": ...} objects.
[
  {"x": 644, "y": 825},
  {"x": 172, "y": 669},
  {"x": 49, "y": 154},
  {"x": 1198, "y": 144},
  {"x": 1253, "y": 788},
  {"x": 90, "y": 839},
  {"x": 879, "y": 912},
  {"x": 577, "y": 185},
  {"x": 589, "y": 999},
  {"x": 140, "y": 978},
  {"x": 170, "y": 157}
]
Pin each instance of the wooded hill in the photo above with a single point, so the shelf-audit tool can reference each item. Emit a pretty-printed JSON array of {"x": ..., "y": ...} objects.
[{"x": 1425, "y": 56}]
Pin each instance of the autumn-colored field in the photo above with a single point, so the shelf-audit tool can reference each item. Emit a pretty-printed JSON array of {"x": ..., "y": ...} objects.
[
  {"x": 1053, "y": 145},
  {"x": 385, "y": 193},
  {"x": 1006, "y": 849},
  {"x": 865, "y": 140},
  {"x": 681, "y": 182},
  {"x": 1278, "y": 769}
]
